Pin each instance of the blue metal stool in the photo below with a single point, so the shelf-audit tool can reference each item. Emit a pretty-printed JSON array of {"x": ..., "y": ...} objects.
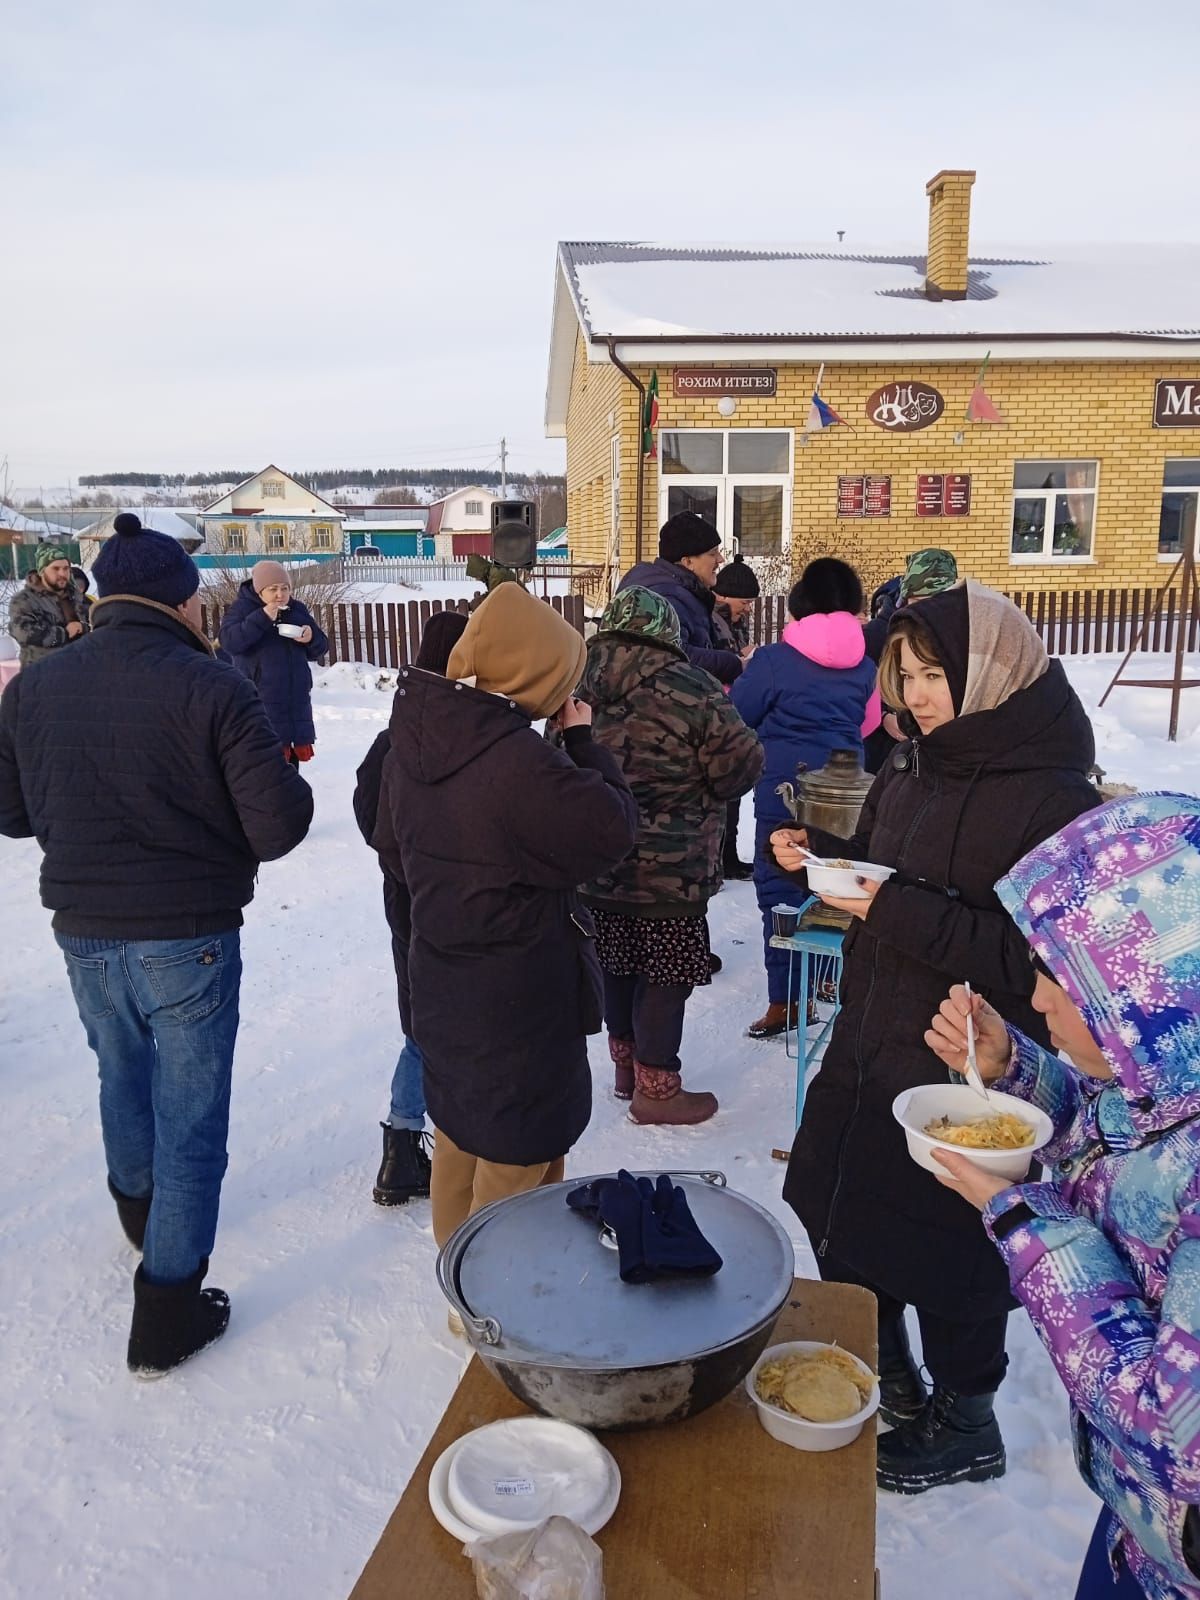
[{"x": 820, "y": 952}]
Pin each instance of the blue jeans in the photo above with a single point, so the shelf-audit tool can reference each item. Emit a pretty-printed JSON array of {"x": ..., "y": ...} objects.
[
  {"x": 161, "y": 1016},
  {"x": 408, "y": 1089},
  {"x": 1096, "y": 1581},
  {"x": 771, "y": 889}
]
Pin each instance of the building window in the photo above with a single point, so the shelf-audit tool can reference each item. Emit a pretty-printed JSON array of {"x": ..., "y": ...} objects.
[
  {"x": 1178, "y": 522},
  {"x": 473, "y": 508},
  {"x": 738, "y": 479},
  {"x": 322, "y": 537},
  {"x": 276, "y": 538},
  {"x": 235, "y": 538},
  {"x": 272, "y": 488},
  {"x": 1054, "y": 510}
]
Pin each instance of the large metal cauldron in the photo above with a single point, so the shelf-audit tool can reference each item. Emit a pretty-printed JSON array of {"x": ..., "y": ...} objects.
[
  {"x": 538, "y": 1290},
  {"x": 830, "y": 798}
]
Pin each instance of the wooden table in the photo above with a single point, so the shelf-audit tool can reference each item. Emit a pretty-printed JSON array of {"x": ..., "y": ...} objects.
[{"x": 713, "y": 1508}]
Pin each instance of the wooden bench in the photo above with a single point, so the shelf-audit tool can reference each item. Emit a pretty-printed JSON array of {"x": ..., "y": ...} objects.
[{"x": 712, "y": 1508}]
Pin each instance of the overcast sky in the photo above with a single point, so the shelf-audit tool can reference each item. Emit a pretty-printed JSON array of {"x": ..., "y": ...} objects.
[{"x": 323, "y": 234}]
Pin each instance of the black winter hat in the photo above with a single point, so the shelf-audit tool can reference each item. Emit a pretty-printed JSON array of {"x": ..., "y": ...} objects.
[
  {"x": 136, "y": 560},
  {"x": 737, "y": 581},
  {"x": 686, "y": 534},
  {"x": 826, "y": 584}
]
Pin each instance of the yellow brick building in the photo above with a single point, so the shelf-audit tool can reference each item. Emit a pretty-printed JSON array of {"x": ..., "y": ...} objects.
[{"x": 1091, "y": 480}]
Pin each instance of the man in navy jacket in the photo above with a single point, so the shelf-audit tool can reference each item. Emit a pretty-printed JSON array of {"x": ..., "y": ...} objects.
[
  {"x": 689, "y": 558},
  {"x": 150, "y": 776}
]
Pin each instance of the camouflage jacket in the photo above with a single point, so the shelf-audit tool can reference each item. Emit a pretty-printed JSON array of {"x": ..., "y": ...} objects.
[
  {"x": 37, "y": 618},
  {"x": 685, "y": 752}
]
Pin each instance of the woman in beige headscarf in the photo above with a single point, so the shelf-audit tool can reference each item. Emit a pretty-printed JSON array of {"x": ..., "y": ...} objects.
[{"x": 996, "y": 761}]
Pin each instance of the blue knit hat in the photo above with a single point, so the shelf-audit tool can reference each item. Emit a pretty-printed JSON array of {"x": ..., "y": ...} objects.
[{"x": 136, "y": 560}]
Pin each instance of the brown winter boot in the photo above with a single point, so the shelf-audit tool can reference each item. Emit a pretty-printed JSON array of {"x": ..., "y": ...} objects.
[
  {"x": 774, "y": 1020},
  {"x": 659, "y": 1100},
  {"x": 621, "y": 1051}
]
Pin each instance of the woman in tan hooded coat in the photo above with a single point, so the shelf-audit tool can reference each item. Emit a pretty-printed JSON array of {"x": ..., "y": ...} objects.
[{"x": 997, "y": 759}]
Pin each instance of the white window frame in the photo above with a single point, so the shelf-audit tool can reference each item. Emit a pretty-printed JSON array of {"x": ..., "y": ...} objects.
[
  {"x": 472, "y": 508},
  {"x": 725, "y": 481},
  {"x": 1046, "y": 557},
  {"x": 235, "y": 539},
  {"x": 322, "y": 537},
  {"x": 1182, "y": 488},
  {"x": 273, "y": 489},
  {"x": 275, "y": 530}
]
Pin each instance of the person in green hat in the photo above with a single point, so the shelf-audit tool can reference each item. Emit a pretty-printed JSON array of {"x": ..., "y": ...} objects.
[{"x": 47, "y": 613}]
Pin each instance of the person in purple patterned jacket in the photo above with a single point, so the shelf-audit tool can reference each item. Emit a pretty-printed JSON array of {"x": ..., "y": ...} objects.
[{"x": 1106, "y": 1256}]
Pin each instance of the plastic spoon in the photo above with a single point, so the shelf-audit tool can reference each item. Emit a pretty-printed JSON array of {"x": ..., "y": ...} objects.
[{"x": 974, "y": 1077}]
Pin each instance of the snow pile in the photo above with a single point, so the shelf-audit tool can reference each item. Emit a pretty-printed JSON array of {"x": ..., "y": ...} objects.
[{"x": 272, "y": 1462}]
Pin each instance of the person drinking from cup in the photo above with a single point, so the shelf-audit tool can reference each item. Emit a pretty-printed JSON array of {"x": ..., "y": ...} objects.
[
  {"x": 996, "y": 760},
  {"x": 272, "y": 637},
  {"x": 1104, "y": 1253}
]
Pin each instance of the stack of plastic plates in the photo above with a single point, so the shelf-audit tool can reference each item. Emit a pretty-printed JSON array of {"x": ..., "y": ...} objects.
[{"x": 512, "y": 1475}]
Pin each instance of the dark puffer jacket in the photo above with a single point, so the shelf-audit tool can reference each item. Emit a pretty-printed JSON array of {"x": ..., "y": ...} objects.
[
  {"x": 278, "y": 666},
  {"x": 685, "y": 753},
  {"x": 368, "y": 783},
  {"x": 150, "y": 776},
  {"x": 953, "y": 812},
  {"x": 693, "y": 604},
  {"x": 488, "y": 830},
  {"x": 37, "y": 619}
]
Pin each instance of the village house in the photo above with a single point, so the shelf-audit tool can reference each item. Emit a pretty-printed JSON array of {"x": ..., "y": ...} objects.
[
  {"x": 270, "y": 514},
  {"x": 460, "y": 523},
  {"x": 1036, "y": 410}
]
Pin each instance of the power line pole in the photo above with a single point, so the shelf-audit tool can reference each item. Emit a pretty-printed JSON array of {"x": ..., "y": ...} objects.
[{"x": 503, "y": 467}]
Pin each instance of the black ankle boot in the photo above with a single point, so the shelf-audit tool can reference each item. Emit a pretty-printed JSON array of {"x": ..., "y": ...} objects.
[
  {"x": 902, "y": 1392},
  {"x": 172, "y": 1321},
  {"x": 957, "y": 1440},
  {"x": 132, "y": 1214},
  {"x": 405, "y": 1168}
]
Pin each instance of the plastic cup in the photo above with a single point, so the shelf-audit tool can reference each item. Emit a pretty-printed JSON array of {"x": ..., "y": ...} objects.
[{"x": 784, "y": 920}]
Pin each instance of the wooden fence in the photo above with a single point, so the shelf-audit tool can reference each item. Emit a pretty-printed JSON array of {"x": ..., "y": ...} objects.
[
  {"x": 387, "y": 634},
  {"x": 1070, "y": 622}
]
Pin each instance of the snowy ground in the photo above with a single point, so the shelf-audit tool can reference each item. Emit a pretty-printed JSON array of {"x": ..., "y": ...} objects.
[{"x": 271, "y": 1464}]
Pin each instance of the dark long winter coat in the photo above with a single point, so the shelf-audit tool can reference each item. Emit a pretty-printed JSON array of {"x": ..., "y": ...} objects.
[
  {"x": 952, "y": 812},
  {"x": 38, "y": 618},
  {"x": 685, "y": 753},
  {"x": 150, "y": 776},
  {"x": 489, "y": 830},
  {"x": 367, "y": 787},
  {"x": 693, "y": 603},
  {"x": 278, "y": 666}
]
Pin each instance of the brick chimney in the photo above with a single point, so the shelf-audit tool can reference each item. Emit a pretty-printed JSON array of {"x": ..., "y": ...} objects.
[{"x": 949, "y": 227}]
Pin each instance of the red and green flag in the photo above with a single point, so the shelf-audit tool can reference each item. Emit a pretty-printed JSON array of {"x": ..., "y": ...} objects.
[
  {"x": 981, "y": 407},
  {"x": 650, "y": 418}
]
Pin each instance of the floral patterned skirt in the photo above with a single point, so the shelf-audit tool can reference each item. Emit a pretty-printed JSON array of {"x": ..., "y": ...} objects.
[{"x": 665, "y": 950}]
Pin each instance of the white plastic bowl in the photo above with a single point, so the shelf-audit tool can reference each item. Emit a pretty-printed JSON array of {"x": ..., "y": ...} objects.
[
  {"x": 289, "y": 630},
  {"x": 916, "y": 1108},
  {"x": 798, "y": 1431},
  {"x": 840, "y": 881}
]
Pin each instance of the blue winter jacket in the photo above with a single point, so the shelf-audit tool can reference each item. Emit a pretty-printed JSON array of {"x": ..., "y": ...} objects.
[
  {"x": 278, "y": 666},
  {"x": 805, "y": 698},
  {"x": 693, "y": 605}
]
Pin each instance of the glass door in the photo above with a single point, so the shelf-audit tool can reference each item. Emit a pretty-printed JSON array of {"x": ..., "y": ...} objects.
[
  {"x": 705, "y": 497},
  {"x": 757, "y": 521}
]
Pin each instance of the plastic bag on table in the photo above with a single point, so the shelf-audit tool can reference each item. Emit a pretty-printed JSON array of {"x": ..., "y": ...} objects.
[{"x": 555, "y": 1561}]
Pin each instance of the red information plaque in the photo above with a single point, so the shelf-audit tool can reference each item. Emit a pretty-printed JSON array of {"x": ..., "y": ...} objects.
[
  {"x": 943, "y": 494},
  {"x": 867, "y": 495},
  {"x": 957, "y": 497},
  {"x": 930, "y": 487}
]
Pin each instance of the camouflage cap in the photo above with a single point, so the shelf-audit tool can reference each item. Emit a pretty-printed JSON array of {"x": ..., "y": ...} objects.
[
  {"x": 928, "y": 572},
  {"x": 643, "y": 613},
  {"x": 46, "y": 553}
]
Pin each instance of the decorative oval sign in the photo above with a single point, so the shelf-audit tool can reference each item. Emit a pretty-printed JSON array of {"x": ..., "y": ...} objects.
[{"x": 905, "y": 407}]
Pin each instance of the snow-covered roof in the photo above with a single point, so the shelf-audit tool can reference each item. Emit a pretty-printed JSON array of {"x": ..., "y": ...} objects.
[
  {"x": 651, "y": 291},
  {"x": 17, "y": 522},
  {"x": 158, "y": 519},
  {"x": 660, "y": 302}
]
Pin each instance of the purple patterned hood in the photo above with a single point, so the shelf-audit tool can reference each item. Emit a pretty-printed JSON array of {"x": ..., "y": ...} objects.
[{"x": 1111, "y": 904}]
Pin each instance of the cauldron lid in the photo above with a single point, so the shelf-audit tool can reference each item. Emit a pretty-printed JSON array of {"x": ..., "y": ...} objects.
[{"x": 541, "y": 1271}]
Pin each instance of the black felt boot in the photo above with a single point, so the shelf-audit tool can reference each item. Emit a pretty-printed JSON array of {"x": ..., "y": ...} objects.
[
  {"x": 132, "y": 1213},
  {"x": 172, "y": 1321},
  {"x": 957, "y": 1440},
  {"x": 405, "y": 1168},
  {"x": 902, "y": 1392}
]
